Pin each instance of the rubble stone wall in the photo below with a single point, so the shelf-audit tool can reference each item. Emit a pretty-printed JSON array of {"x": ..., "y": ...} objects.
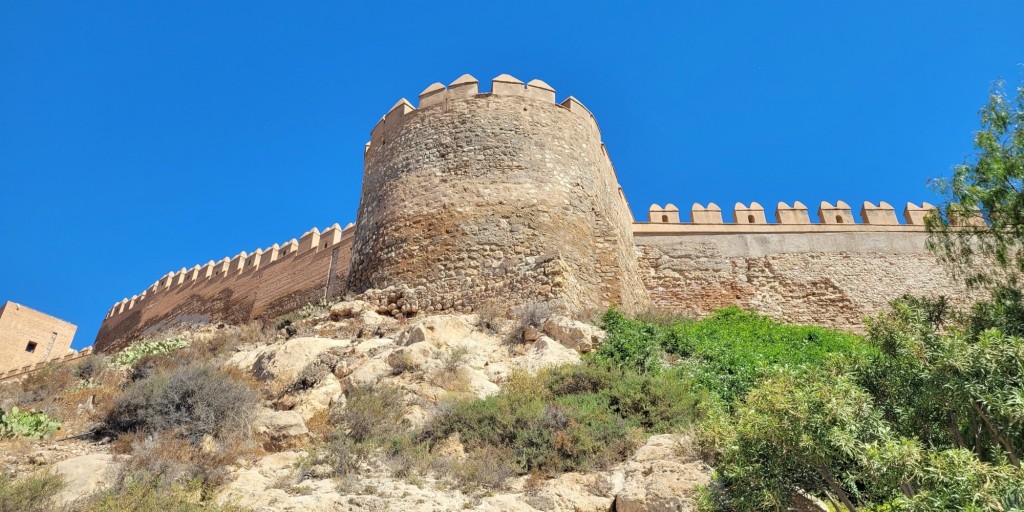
[
  {"x": 504, "y": 197},
  {"x": 833, "y": 278}
]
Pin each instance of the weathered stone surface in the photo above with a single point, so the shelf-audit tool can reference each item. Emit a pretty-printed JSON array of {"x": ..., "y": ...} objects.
[
  {"x": 282, "y": 362},
  {"x": 824, "y": 278},
  {"x": 573, "y": 334},
  {"x": 85, "y": 475},
  {"x": 280, "y": 425},
  {"x": 658, "y": 479},
  {"x": 496, "y": 196}
]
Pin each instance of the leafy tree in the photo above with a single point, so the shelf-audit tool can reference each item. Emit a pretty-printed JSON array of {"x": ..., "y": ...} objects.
[{"x": 992, "y": 186}]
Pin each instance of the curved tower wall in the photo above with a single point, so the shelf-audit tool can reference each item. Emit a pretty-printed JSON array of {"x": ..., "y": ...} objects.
[{"x": 503, "y": 197}]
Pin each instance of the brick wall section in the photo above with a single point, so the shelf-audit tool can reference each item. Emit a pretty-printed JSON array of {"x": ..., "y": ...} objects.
[
  {"x": 502, "y": 197},
  {"x": 260, "y": 290},
  {"x": 20, "y": 325},
  {"x": 833, "y": 278}
]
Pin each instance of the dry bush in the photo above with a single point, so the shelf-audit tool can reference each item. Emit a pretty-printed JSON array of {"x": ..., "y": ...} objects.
[
  {"x": 402, "y": 363},
  {"x": 165, "y": 460},
  {"x": 47, "y": 383},
  {"x": 532, "y": 314},
  {"x": 453, "y": 359},
  {"x": 493, "y": 317},
  {"x": 487, "y": 468},
  {"x": 32, "y": 493},
  {"x": 315, "y": 372},
  {"x": 256, "y": 333},
  {"x": 194, "y": 401},
  {"x": 372, "y": 412}
]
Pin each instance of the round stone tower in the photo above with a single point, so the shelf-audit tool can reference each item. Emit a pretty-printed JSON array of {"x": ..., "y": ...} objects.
[{"x": 504, "y": 197}]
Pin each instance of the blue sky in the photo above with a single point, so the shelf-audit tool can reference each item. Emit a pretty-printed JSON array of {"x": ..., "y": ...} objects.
[{"x": 140, "y": 137}]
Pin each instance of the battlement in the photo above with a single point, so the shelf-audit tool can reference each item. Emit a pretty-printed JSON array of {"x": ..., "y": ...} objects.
[
  {"x": 243, "y": 263},
  {"x": 795, "y": 218},
  {"x": 23, "y": 371},
  {"x": 468, "y": 87}
]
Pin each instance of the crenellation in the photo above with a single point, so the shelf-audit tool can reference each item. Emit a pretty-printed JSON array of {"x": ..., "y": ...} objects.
[
  {"x": 538, "y": 89},
  {"x": 290, "y": 247},
  {"x": 271, "y": 254},
  {"x": 838, "y": 214},
  {"x": 974, "y": 220},
  {"x": 667, "y": 215},
  {"x": 915, "y": 215},
  {"x": 310, "y": 240},
  {"x": 463, "y": 87},
  {"x": 574, "y": 106},
  {"x": 238, "y": 263},
  {"x": 253, "y": 260},
  {"x": 796, "y": 214},
  {"x": 507, "y": 85},
  {"x": 435, "y": 94},
  {"x": 711, "y": 214},
  {"x": 330, "y": 236},
  {"x": 882, "y": 215},
  {"x": 754, "y": 214}
]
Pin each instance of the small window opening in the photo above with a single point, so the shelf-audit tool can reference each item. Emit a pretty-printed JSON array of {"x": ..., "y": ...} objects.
[
  {"x": 325, "y": 245},
  {"x": 664, "y": 218},
  {"x": 750, "y": 219},
  {"x": 839, "y": 219},
  {"x": 31, "y": 347}
]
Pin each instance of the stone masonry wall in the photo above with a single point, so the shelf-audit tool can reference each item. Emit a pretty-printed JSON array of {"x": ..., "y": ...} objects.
[
  {"x": 504, "y": 197},
  {"x": 261, "y": 285},
  {"x": 832, "y": 278}
]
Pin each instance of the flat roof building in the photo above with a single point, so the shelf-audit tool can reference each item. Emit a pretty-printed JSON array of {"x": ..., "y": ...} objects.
[{"x": 28, "y": 336}]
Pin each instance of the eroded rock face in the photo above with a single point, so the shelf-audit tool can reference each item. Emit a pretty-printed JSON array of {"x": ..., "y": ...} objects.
[
  {"x": 85, "y": 475},
  {"x": 282, "y": 362},
  {"x": 659, "y": 478}
]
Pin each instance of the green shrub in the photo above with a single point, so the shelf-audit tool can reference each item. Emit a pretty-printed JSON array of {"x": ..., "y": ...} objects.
[
  {"x": 142, "y": 348},
  {"x": 33, "y": 493},
  {"x": 32, "y": 424},
  {"x": 733, "y": 350},
  {"x": 194, "y": 400},
  {"x": 631, "y": 344}
]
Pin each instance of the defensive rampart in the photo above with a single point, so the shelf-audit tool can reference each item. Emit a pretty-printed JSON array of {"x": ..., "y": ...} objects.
[
  {"x": 264, "y": 283},
  {"x": 508, "y": 197},
  {"x": 834, "y": 272}
]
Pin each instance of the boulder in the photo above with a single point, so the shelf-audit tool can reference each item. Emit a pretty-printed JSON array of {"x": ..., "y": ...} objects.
[
  {"x": 319, "y": 398},
  {"x": 548, "y": 352},
  {"x": 658, "y": 479},
  {"x": 85, "y": 475},
  {"x": 576, "y": 335},
  {"x": 281, "y": 363},
  {"x": 349, "y": 309},
  {"x": 359, "y": 310},
  {"x": 280, "y": 425},
  {"x": 368, "y": 373},
  {"x": 440, "y": 330}
]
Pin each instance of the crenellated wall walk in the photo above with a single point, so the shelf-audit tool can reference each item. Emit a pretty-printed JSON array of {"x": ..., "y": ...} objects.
[
  {"x": 264, "y": 283},
  {"x": 834, "y": 272}
]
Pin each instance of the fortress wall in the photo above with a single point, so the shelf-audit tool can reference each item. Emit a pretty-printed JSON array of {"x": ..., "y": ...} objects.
[
  {"x": 825, "y": 273},
  {"x": 503, "y": 197},
  {"x": 260, "y": 285}
]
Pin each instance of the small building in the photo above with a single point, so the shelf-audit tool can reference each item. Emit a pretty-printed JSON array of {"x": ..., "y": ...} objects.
[{"x": 28, "y": 336}]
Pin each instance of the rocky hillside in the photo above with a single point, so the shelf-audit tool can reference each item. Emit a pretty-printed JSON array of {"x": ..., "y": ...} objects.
[{"x": 342, "y": 408}]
